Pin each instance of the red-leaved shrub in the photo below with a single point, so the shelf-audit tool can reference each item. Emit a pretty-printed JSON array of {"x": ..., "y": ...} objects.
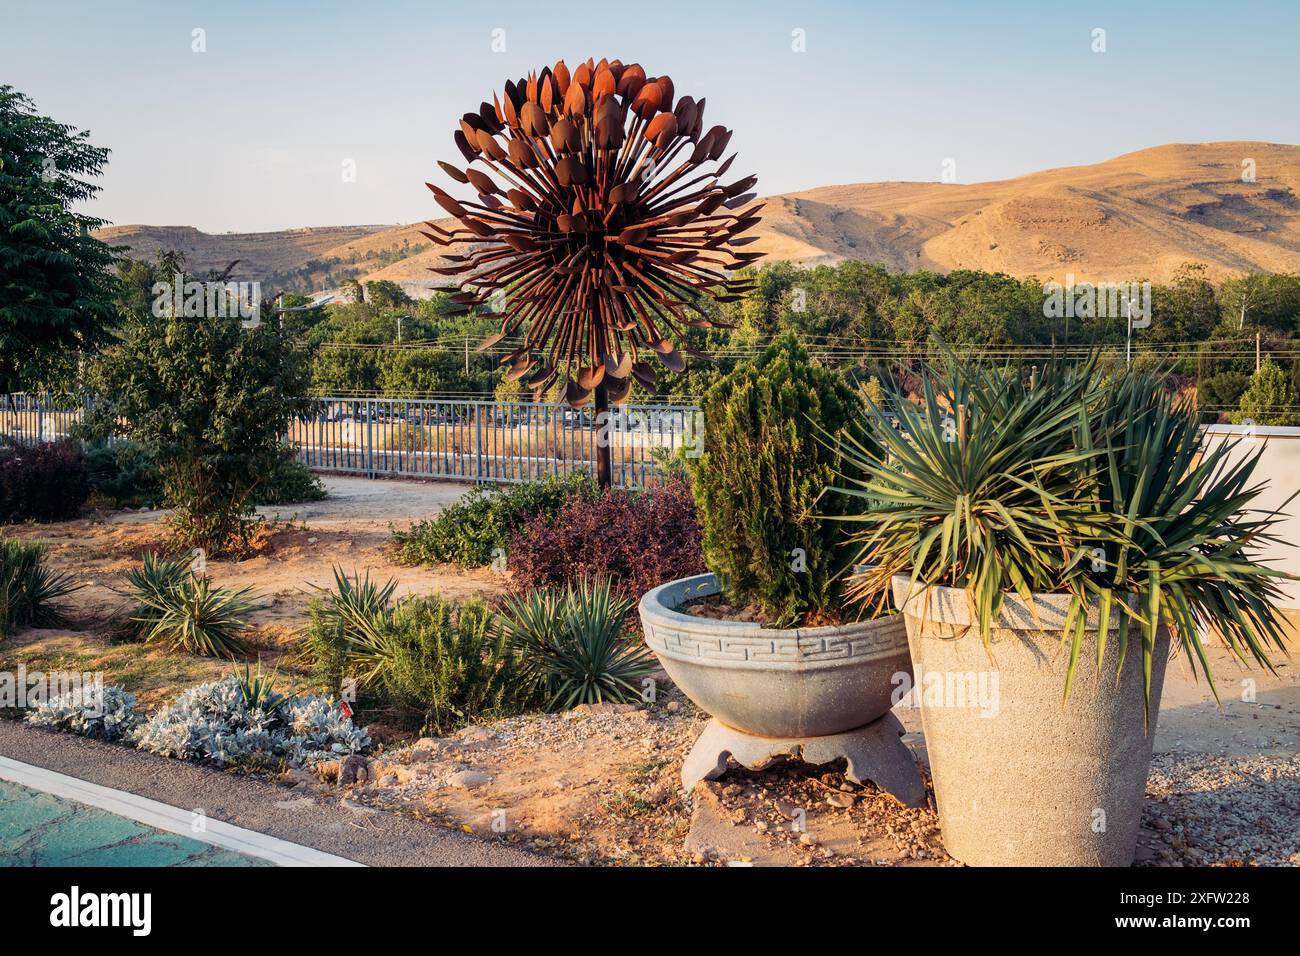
[
  {"x": 639, "y": 539},
  {"x": 46, "y": 482}
]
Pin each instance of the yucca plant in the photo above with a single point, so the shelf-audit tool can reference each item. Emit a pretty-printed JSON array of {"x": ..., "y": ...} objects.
[
  {"x": 959, "y": 492},
  {"x": 1065, "y": 482},
  {"x": 199, "y": 618},
  {"x": 29, "y": 591},
  {"x": 156, "y": 575},
  {"x": 145, "y": 588},
  {"x": 359, "y": 610},
  {"x": 571, "y": 641},
  {"x": 182, "y": 610},
  {"x": 1184, "y": 532}
]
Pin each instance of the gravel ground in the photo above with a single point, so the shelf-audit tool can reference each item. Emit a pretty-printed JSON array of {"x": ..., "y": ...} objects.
[
  {"x": 1205, "y": 809},
  {"x": 602, "y": 787}
]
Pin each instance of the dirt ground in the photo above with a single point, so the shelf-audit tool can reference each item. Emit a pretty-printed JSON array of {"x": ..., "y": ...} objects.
[
  {"x": 602, "y": 785},
  {"x": 351, "y": 529}
]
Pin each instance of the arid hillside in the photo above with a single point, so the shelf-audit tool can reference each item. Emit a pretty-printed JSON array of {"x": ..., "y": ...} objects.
[{"x": 1140, "y": 215}]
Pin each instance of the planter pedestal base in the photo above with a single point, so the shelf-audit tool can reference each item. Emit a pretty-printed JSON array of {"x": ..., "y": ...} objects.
[{"x": 872, "y": 753}]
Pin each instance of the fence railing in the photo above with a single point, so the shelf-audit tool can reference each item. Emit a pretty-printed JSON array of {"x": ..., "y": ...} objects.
[
  {"x": 29, "y": 419},
  {"x": 440, "y": 438}
]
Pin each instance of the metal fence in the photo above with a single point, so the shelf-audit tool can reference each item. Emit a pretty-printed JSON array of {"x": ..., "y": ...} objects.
[
  {"x": 438, "y": 438},
  {"x": 30, "y": 419}
]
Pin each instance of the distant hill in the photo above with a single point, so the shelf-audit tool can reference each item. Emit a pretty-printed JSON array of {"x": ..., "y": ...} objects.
[
  {"x": 1140, "y": 215},
  {"x": 296, "y": 259}
]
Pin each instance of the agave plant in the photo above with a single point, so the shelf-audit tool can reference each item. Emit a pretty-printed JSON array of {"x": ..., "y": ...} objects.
[
  {"x": 258, "y": 689},
  {"x": 1066, "y": 482},
  {"x": 29, "y": 591},
  {"x": 571, "y": 641}
]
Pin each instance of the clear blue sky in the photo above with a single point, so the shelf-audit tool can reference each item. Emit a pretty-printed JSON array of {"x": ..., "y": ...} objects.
[{"x": 252, "y": 134}]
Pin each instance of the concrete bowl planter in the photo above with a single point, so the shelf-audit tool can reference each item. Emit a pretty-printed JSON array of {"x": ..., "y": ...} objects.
[
  {"x": 816, "y": 692},
  {"x": 1021, "y": 779}
]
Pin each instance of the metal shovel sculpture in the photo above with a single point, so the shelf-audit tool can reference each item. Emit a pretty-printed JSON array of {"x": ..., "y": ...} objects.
[{"x": 599, "y": 229}]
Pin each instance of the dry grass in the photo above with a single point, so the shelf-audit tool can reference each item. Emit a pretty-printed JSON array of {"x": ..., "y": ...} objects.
[{"x": 154, "y": 674}]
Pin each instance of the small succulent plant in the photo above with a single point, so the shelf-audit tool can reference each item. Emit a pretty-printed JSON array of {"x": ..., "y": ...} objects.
[{"x": 215, "y": 723}]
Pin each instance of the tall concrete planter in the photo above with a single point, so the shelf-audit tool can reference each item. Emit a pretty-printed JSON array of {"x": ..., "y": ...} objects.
[
  {"x": 1020, "y": 778},
  {"x": 818, "y": 693}
]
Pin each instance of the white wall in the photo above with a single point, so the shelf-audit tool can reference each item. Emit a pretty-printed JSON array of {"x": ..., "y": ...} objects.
[{"x": 1279, "y": 467}]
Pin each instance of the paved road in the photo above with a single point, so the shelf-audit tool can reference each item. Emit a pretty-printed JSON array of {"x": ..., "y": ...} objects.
[{"x": 375, "y": 839}]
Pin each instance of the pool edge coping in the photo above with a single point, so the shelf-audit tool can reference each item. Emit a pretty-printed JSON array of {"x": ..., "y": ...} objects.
[{"x": 165, "y": 817}]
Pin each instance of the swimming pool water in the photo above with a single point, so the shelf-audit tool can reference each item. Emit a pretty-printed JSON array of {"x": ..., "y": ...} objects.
[{"x": 38, "y": 829}]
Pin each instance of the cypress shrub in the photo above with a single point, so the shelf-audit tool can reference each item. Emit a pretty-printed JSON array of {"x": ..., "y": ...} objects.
[{"x": 769, "y": 453}]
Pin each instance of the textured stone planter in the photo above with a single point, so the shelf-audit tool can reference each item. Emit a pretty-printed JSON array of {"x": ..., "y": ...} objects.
[
  {"x": 1021, "y": 779},
  {"x": 773, "y": 682},
  {"x": 817, "y": 693}
]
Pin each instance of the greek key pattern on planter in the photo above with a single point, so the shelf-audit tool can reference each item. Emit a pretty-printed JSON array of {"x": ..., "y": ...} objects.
[{"x": 684, "y": 644}]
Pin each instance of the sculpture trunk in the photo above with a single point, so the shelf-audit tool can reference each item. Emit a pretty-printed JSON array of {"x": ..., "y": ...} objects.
[{"x": 602, "y": 437}]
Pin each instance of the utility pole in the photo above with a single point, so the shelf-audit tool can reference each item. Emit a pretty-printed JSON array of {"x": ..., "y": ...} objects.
[
  {"x": 467, "y": 355},
  {"x": 399, "y": 329},
  {"x": 1257, "y": 351}
]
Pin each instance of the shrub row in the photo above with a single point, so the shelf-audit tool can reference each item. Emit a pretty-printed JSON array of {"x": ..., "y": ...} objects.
[
  {"x": 475, "y": 529},
  {"x": 289, "y": 482},
  {"x": 46, "y": 482},
  {"x": 636, "y": 539},
  {"x": 125, "y": 475},
  {"x": 445, "y": 665},
  {"x": 51, "y": 482}
]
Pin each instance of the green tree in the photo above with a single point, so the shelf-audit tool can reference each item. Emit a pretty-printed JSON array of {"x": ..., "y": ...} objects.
[
  {"x": 384, "y": 294},
  {"x": 1268, "y": 400},
  {"x": 1186, "y": 310},
  {"x": 56, "y": 284},
  {"x": 211, "y": 400},
  {"x": 1242, "y": 299}
]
